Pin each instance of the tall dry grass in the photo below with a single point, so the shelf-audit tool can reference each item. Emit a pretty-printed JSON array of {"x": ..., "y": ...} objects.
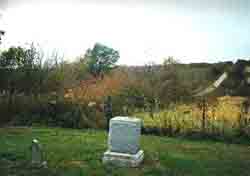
[{"x": 224, "y": 117}]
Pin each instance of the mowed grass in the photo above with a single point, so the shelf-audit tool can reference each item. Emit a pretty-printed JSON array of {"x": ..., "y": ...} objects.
[{"x": 79, "y": 152}]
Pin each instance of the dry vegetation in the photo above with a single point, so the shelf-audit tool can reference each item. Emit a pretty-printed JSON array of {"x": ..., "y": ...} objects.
[
  {"x": 93, "y": 90},
  {"x": 223, "y": 116}
]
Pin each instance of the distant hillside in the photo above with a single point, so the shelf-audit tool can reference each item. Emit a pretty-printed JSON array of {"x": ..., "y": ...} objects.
[{"x": 202, "y": 75}]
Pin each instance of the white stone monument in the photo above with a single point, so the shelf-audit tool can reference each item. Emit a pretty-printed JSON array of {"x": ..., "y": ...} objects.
[{"x": 123, "y": 142}]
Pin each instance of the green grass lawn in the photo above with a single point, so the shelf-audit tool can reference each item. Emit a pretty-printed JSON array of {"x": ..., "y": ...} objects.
[{"x": 79, "y": 152}]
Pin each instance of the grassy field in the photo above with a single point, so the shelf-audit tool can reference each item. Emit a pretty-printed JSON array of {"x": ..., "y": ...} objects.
[{"x": 79, "y": 152}]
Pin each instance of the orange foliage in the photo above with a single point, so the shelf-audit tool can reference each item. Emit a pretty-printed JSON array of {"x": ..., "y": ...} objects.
[{"x": 96, "y": 89}]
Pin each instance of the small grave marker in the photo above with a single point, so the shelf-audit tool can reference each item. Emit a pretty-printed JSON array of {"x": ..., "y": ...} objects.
[{"x": 37, "y": 153}]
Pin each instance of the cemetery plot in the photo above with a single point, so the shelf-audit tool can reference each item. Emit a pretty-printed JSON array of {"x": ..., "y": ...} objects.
[{"x": 78, "y": 152}]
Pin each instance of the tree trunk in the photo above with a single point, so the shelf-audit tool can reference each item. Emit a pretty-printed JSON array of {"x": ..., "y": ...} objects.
[{"x": 10, "y": 103}]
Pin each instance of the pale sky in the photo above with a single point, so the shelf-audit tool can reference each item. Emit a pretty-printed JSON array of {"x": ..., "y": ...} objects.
[{"x": 142, "y": 31}]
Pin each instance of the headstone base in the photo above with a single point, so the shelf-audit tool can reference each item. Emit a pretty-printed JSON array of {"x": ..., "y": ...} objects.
[{"x": 123, "y": 159}]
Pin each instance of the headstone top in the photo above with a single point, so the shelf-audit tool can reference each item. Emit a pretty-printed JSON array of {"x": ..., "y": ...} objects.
[
  {"x": 35, "y": 141},
  {"x": 124, "y": 135},
  {"x": 126, "y": 119}
]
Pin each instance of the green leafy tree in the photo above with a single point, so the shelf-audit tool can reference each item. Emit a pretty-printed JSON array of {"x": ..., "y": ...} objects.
[
  {"x": 21, "y": 70},
  {"x": 11, "y": 62},
  {"x": 101, "y": 59}
]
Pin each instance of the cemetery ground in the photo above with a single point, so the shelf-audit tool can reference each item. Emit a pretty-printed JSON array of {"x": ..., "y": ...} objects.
[{"x": 79, "y": 152}]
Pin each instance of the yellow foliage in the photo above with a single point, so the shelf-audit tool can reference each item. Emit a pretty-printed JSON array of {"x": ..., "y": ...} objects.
[{"x": 225, "y": 112}]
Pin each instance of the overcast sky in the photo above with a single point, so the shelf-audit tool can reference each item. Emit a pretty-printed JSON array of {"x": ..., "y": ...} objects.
[{"x": 142, "y": 31}]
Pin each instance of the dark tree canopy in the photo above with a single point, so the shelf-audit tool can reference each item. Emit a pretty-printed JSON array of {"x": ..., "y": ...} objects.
[
  {"x": 101, "y": 59},
  {"x": 1, "y": 33},
  {"x": 13, "y": 58}
]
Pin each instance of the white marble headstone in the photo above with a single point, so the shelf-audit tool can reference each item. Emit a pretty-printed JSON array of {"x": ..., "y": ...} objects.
[{"x": 124, "y": 135}]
